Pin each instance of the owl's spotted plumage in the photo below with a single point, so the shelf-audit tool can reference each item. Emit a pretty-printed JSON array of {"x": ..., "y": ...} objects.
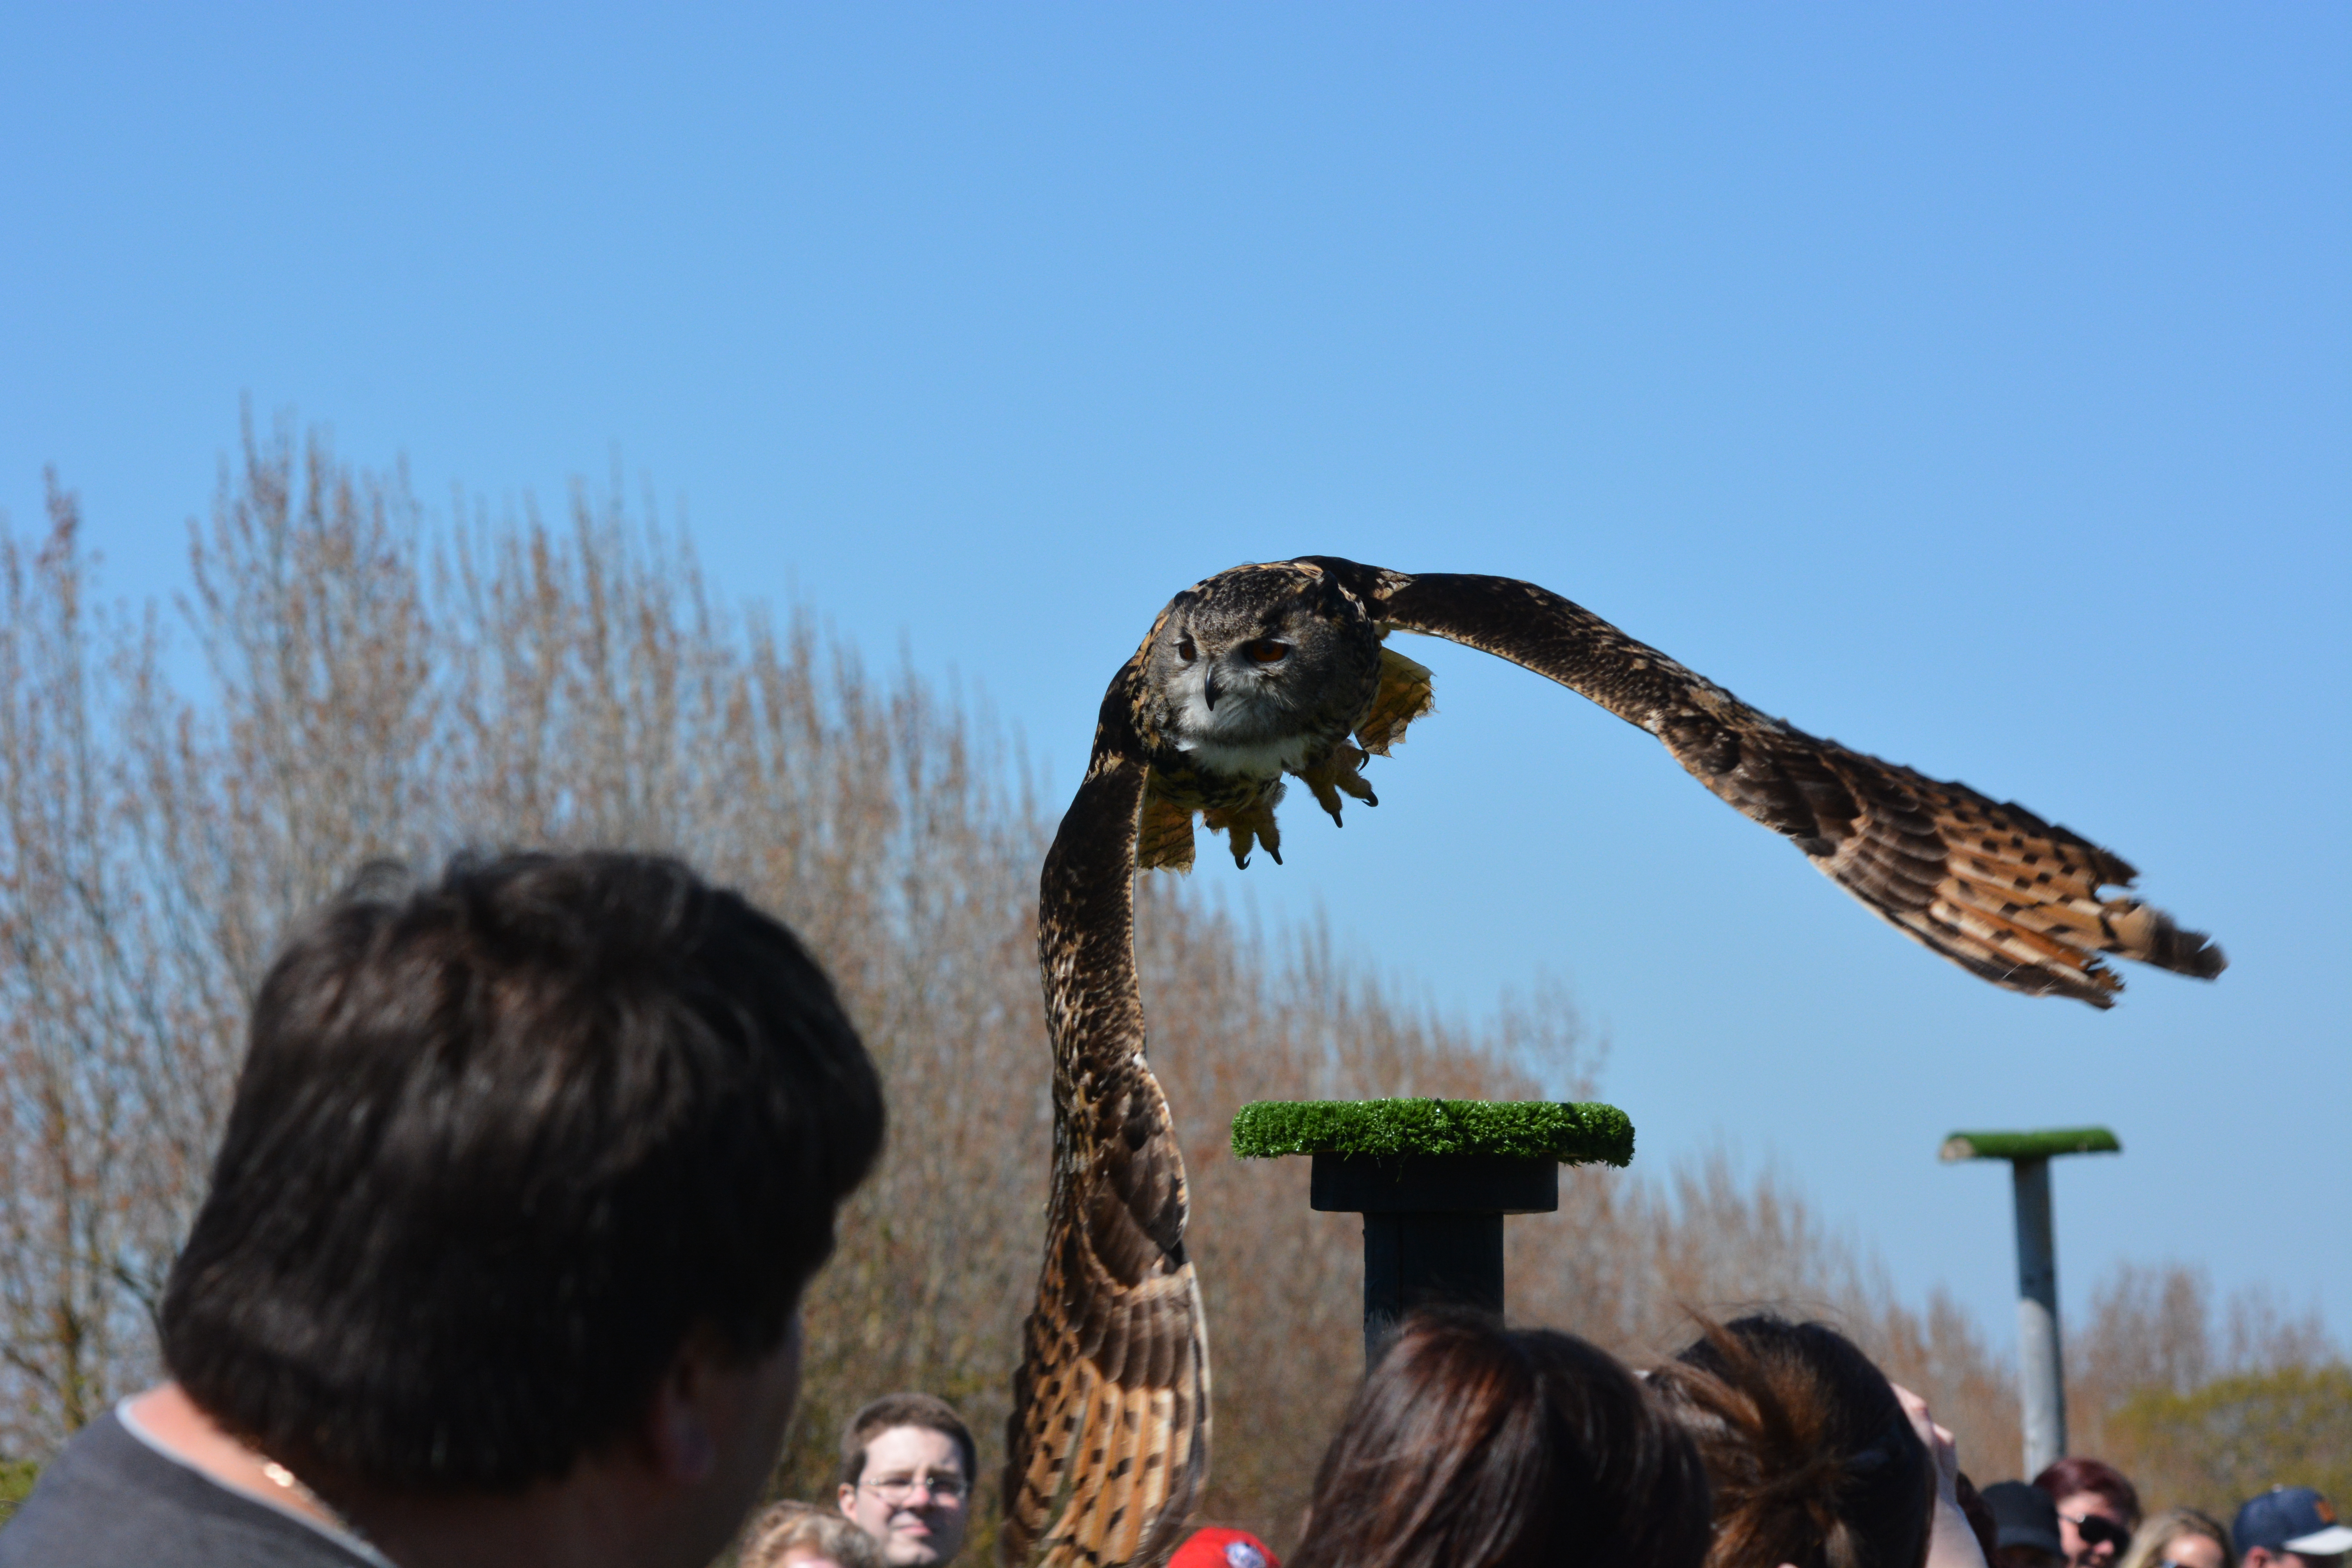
[{"x": 1273, "y": 670}]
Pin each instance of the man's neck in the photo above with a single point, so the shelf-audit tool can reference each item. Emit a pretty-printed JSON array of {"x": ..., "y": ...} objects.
[
  {"x": 168, "y": 1419},
  {"x": 587, "y": 1521}
]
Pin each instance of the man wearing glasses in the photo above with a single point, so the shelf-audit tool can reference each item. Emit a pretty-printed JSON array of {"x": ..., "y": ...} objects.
[{"x": 907, "y": 1464}]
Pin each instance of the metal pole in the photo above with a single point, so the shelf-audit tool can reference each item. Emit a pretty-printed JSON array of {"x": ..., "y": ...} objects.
[{"x": 2041, "y": 1380}]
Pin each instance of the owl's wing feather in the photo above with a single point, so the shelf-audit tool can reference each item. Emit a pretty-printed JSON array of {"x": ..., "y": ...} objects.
[
  {"x": 1991, "y": 887},
  {"x": 1107, "y": 1442}
]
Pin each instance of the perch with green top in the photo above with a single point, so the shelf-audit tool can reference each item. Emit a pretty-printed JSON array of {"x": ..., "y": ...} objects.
[
  {"x": 1433, "y": 1180},
  {"x": 2040, "y": 1378}
]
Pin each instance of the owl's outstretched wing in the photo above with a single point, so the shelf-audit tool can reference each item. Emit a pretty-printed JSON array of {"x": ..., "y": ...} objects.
[
  {"x": 1108, "y": 1443},
  {"x": 1991, "y": 887}
]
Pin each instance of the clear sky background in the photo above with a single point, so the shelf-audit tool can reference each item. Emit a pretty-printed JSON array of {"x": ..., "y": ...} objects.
[{"x": 1972, "y": 384}]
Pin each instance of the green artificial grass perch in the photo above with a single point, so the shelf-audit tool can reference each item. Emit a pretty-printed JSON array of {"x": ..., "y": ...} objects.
[
  {"x": 2040, "y": 1145},
  {"x": 1586, "y": 1134}
]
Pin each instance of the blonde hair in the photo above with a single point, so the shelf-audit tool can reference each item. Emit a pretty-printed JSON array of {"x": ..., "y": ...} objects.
[
  {"x": 788, "y": 1527},
  {"x": 2159, "y": 1531}
]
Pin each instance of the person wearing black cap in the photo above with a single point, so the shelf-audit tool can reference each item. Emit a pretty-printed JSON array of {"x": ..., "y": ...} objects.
[
  {"x": 2290, "y": 1527},
  {"x": 2026, "y": 1526}
]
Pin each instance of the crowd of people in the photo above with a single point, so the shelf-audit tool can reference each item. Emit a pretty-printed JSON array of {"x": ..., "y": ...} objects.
[
  {"x": 1765, "y": 1443},
  {"x": 527, "y": 1170}
]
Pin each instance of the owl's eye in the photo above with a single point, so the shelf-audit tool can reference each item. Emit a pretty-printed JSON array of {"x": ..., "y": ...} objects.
[
  {"x": 1265, "y": 651},
  {"x": 1185, "y": 650}
]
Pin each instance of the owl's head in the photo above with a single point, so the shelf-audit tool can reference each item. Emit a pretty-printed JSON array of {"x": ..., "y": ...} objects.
[{"x": 1260, "y": 666}]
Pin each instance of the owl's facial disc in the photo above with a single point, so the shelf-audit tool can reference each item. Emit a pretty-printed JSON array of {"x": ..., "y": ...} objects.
[
  {"x": 1231, "y": 699},
  {"x": 1259, "y": 670},
  {"x": 1259, "y": 657}
]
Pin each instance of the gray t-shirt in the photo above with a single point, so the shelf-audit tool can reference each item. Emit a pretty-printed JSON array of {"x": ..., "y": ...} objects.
[{"x": 111, "y": 1501}]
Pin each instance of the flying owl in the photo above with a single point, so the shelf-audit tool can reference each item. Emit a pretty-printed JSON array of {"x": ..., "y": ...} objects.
[{"x": 1279, "y": 671}]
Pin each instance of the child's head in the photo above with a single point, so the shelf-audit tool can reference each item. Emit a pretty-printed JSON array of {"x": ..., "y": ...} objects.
[{"x": 802, "y": 1535}]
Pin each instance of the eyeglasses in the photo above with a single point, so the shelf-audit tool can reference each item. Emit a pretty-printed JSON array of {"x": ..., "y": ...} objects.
[
  {"x": 2099, "y": 1529},
  {"x": 895, "y": 1490}
]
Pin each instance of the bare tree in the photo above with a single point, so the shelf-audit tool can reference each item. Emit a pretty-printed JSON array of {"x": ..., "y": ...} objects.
[
  {"x": 375, "y": 686},
  {"x": 92, "y": 1202}
]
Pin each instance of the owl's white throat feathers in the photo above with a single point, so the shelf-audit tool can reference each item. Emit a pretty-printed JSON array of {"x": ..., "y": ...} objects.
[{"x": 1251, "y": 733}]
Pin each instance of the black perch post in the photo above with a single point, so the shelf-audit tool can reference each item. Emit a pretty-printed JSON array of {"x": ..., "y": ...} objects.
[
  {"x": 1433, "y": 1180},
  {"x": 1432, "y": 1226}
]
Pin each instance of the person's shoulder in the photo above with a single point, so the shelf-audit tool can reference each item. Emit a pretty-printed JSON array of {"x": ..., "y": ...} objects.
[{"x": 109, "y": 1500}]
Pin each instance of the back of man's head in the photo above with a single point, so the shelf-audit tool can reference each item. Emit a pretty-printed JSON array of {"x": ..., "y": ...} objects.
[{"x": 499, "y": 1146}]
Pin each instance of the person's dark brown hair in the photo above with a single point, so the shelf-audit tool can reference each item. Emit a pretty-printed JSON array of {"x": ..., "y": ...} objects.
[
  {"x": 927, "y": 1411},
  {"x": 2070, "y": 1477},
  {"x": 1473, "y": 1444},
  {"x": 1809, "y": 1457},
  {"x": 500, "y": 1145}
]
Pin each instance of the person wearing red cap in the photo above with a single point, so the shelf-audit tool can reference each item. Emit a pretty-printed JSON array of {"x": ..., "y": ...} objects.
[{"x": 1219, "y": 1547}]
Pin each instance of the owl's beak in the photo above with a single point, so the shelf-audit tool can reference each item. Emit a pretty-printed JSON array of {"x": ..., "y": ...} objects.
[{"x": 1209, "y": 689}]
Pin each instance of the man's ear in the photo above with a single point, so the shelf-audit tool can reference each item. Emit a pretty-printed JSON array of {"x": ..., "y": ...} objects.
[
  {"x": 678, "y": 1428},
  {"x": 845, "y": 1498}
]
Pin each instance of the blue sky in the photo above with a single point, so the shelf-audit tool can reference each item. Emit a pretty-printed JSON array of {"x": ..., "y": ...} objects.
[{"x": 1970, "y": 385}]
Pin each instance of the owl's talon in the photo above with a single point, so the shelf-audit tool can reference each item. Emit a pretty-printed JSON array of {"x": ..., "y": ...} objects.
[
  {"x": 1338, "y": 772},
  {"x": 1248, "y": 826}
]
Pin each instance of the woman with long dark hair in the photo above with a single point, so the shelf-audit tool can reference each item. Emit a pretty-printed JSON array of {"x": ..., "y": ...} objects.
[
  {"x": 1813, "y": 1458},
  {"x": 1474, "y": 1446}
]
